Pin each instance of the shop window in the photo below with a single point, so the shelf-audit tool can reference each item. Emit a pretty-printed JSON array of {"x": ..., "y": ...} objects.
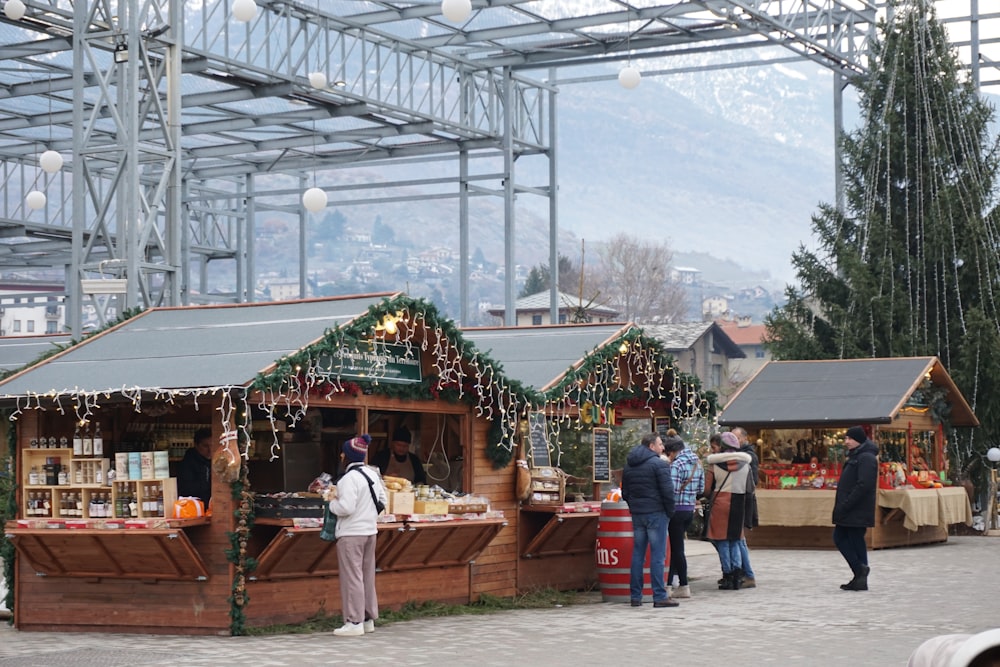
[
  {"x": 536, "y": 320},
  {"x": 50, "y": 327},
  {"x": 31, "y": 326},
  {"x": 17, "y": 326},
  {"x": 562, "y": 318}
]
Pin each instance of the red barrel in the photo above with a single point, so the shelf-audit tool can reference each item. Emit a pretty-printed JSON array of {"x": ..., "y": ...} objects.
[{"x": 614, "y": 554}]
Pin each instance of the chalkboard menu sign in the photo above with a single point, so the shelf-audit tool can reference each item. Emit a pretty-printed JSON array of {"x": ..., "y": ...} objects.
[
  {"x": 602, "y": 455},
  {"x": 662, "y": 425},
  {"x": 539, "y": 443}
]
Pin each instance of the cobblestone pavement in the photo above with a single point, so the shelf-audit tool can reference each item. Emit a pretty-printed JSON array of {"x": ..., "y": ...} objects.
[{"x": 796, "y": 616}]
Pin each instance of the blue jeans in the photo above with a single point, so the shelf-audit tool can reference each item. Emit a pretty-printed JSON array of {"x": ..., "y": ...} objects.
[
  {"x": 649, "y": 531},
  {"x": 745, "y": 559},
  {"x": 729, "y": 554}
]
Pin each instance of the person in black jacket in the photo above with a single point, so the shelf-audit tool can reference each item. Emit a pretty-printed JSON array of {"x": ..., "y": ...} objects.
[
  {"x": 649, "y": 492},
  {"x": 194, "y": 474},
  {"x": 854, "y": 505}
]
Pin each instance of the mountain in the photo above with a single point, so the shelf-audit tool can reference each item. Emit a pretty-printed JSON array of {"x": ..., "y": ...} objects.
[{"x": 731, "y": 163}]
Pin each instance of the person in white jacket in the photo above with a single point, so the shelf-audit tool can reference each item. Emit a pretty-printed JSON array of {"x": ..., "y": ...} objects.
[{"x": 355, "y": 507}]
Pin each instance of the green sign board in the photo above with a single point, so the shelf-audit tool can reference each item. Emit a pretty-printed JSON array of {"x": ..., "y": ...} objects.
[{"x": 373, "y": 363}]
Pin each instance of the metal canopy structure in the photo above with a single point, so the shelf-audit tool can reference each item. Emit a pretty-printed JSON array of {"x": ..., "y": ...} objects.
[{"x": 180, "y": 124}]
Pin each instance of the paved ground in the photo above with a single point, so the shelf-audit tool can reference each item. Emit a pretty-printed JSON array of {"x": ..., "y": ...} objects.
[{"x": 797, "y": 616}]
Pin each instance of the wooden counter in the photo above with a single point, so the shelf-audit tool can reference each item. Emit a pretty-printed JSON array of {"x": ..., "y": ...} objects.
[
  {"x": 148, "y": 554},
  {"x": 557, "y": 547},
  {"x": 296, "y": 570},
  {"x": 802, "y": 518}
]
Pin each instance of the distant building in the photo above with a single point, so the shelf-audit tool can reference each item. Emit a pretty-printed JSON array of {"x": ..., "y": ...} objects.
[
  {"x": 714, "y": 306},
  {"x": 534, "y": 310},
  {"x": 750, "y": 338},
  {"x": 31, "y": 308},
  {"x": 285, "y": 289},
  {"x": 702, "y": 349},
  {"x": 685, "y": 275}
]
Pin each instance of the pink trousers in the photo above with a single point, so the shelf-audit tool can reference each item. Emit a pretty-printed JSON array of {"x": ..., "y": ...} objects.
[{"x": 356, "y": 558}]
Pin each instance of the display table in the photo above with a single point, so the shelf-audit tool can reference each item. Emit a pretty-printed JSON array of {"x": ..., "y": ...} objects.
[
  {"x": 296, "y": 570},
  {"x": 802, "y": 518},
  {"x": 162, "y": 552}
]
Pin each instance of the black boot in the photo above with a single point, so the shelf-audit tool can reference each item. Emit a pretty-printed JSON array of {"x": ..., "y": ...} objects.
[
  {"x": 726, "y": 583},
  {"x": 860, "y": 580},
  {"x": 737, "y": 579}
]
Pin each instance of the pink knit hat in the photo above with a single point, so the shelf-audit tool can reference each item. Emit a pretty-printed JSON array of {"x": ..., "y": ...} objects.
[{"x": 730, "y": 440}]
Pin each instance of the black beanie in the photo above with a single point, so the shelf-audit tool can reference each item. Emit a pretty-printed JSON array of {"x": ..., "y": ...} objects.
[{"x": 856, "y": 433}]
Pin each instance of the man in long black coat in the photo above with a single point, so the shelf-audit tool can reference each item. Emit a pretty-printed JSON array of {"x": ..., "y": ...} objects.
[{"x": 854, "y": 505}]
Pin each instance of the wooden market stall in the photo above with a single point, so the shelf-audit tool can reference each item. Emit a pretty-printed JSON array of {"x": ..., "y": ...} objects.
[
  {"x": 282, "y": 385},
  {"x": 592, "y": 378},
  {"x": 289, "y": 381},
  {"x": 798, "y": 412}
]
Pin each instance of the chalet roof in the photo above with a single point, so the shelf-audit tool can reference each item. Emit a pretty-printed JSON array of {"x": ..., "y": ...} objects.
[
  {"x": 540, "y": 301},
  {"x": 538, "y": 356},
  {"x": 16, "y": 351},
  {"x": 747, "y": 335},
  {"x": 188, "y": 348},
  {"x": 684, "y": 335},
  {"x": 838, "y": 393}
]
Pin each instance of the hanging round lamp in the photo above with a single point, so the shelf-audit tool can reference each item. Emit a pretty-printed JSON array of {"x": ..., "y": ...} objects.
[
  {"x": 629, "y": 77},
  {"x": 35, "y": 200},
  {"x": 51, "y": 161},
  {"x": 317, "y": 80},
  {"x": 456, "y": 11},
  {"x": 244, "y": 10},
  {"x": 14, "y": 10},
  {"x": 314, "y": 199}
]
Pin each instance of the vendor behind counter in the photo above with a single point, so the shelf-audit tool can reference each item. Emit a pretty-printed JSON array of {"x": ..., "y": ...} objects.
[{"x": 399, "y": 461}]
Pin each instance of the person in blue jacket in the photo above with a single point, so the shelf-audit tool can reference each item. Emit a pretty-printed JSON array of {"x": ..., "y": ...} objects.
[
  {"x": 649, "y": 492},
  {"x": 854, "y": 505}
]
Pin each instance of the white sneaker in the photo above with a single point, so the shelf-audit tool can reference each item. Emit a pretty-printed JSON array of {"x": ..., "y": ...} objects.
[
  {"x": 350, "y": 630},
  {"x": 369, "y": 627}
]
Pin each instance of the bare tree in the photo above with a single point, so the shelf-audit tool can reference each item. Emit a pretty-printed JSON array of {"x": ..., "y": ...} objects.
[{"x": 634, "y": 277}]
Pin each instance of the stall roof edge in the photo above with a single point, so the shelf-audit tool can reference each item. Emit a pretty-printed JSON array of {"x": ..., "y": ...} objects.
[
  {"x": 878, "y": 388},
  {"x": 189, "y": 347},
  {"x": 539, "y": 356}
]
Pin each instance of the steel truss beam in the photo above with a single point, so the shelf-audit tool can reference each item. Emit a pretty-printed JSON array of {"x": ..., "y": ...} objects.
[{"x": 207, "y": 122}]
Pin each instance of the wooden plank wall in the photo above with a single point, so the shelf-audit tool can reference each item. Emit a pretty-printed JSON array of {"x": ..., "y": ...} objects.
[{"x": 495, "y": 570}]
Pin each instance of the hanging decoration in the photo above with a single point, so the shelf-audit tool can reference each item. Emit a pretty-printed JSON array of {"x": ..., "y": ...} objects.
[
  {"x": 51, "y": 161},
  {"x": 314, "y": 199},
  {"x": 460, "y": 372},
  {"x": 629, "y": 77},
  {"x": 35, "y": 200},
  {"x": 8, "y": 510},
  {"x": 14, "y": 10},
  {"x": 456, "y": 11},
  {"x": 244, "y": 10}
]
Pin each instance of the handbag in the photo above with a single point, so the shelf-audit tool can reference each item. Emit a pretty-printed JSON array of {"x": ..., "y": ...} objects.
[
  {"x": 706, "y": 511},
  {"x": 329, "y": 532}
]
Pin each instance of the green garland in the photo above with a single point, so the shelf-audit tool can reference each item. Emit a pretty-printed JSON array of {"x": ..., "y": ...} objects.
[
  {"x": 288, "y": 371},
  {"x": 237, "y": 553},
  {"x": 288, "y": 374},
  {"x": 8, "y": 510}
]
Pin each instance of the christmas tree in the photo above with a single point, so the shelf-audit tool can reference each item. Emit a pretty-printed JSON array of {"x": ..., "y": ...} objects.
[{"x": 911, "y": 265}]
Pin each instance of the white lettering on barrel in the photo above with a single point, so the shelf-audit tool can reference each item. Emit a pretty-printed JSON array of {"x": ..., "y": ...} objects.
[{"x": 606, "y": 556}]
